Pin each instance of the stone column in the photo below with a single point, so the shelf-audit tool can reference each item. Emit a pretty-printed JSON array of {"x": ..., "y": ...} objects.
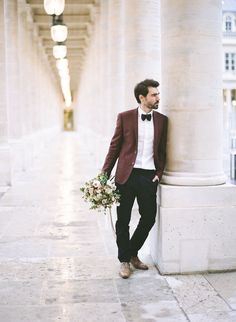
[
  {"x": 115, "y": 62},
  {"x": 103, "y": 71},
  {"x": 142, "y": 45},
  {"x": 192, "y": 91},
  {"x": 226, "y": 127},
  {"x": 5, "y": 164},
  {"x": 12, "y": 84},
  {"x": 195, "y": 229}
]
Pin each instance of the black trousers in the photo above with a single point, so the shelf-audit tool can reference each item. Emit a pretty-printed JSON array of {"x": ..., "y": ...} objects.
[{"x": 140, "y": 186}]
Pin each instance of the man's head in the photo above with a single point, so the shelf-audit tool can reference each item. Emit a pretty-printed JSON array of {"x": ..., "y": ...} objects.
[{"x": 147, "y": 94}]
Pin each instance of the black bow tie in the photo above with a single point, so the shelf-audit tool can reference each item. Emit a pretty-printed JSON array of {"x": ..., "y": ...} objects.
[{"x": 146, "y": 117}]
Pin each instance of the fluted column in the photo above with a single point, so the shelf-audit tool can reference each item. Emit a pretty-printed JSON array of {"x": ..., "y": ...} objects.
[
  {"x": 192, "y": 91},
  {"x": 116, "y": 61},
  {"x": 226, "y": 130},
  {"x": 196, "y": 211},
  {"x": 142, "y": 44},
  {"x": 5, "y": 164},
  {"x": 13, "y": 85},
  {"x": 104, "y": 85},
  {"x": 23, "y": 67},
  {"x": 11, "y": 47}
]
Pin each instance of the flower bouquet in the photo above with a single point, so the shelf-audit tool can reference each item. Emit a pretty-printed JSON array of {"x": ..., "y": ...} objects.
[{"x": 101, "y": 193}]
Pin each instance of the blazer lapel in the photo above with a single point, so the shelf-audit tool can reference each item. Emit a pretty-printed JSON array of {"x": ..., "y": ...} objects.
[
  {"x": 136, "y": 125},
  {"x": 156, "y": 128}
]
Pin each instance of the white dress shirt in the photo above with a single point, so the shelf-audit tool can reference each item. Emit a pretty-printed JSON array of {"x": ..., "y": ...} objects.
[{"x": 144, "y": 159}]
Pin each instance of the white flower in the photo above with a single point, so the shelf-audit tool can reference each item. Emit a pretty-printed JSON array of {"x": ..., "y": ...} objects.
[
  {"x": 108, "y": 190},
  {"x": 96, "y": 184}
]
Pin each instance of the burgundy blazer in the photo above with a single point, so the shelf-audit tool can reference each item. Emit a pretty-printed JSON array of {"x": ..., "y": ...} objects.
[{"x": 124, "y": 145}]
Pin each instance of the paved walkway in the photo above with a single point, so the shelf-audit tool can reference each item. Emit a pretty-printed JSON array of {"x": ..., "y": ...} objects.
[{"x": 58, "y": 259}]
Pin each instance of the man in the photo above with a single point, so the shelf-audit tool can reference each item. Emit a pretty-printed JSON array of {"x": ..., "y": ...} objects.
[{"x": 139, "y": 144}]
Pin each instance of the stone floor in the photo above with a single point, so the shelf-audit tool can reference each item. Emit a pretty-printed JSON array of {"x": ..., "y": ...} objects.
[{"x": 58, "y": 258}]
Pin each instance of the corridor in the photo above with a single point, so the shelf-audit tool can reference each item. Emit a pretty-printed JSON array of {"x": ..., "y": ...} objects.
[{"x": 58, "y": 258}]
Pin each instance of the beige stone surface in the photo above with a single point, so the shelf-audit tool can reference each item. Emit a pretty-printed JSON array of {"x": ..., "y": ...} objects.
[{"x": 192, "y": 99}]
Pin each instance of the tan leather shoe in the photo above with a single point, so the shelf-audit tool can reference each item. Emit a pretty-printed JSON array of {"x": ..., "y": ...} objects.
[
  {"x": 136, "y": 262},
  {"x": 125, "y": 270}
]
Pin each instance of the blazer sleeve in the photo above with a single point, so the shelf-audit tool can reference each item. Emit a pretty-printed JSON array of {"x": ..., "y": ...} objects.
[
  {"x": 162, "y": 150},
  {"x": 115, "y": 147}
]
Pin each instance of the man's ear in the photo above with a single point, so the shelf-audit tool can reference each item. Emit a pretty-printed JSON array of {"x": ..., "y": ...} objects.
[{"x": 140, "y": 97}]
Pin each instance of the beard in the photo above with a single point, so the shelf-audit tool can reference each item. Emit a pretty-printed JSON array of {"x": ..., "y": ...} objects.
[{"x": 155, "y": 106}]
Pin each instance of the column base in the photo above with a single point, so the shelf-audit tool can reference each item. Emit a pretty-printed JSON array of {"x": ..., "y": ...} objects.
[
  {"x": 193, "y": 179},
  {"x": 195, "y": 229}
]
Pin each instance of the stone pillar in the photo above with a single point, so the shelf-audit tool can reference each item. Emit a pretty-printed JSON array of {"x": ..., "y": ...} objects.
[
  {"x": 226, "y": 127},
  {"x": 5, "y": 164},
  {"x": 116, "y": 62},
  {"x": 195, "y": 230},
  {"x": 103, "y": 70},
  {"x": 192, "y": 91},
  {"x": 12, "y": 84},
  {"x": 142, "y": 45},
  {"x": 24, "y": 88}
]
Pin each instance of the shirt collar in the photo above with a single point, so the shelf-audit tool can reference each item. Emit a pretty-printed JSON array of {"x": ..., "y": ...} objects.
[{"x": 141, "y": 111}]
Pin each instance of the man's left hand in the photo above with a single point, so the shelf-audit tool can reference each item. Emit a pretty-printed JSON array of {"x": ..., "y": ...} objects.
[{"x": 155, "y": 179}]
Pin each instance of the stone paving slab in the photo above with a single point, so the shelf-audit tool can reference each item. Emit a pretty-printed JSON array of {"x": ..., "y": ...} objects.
[{"x": 58, "y": 258}]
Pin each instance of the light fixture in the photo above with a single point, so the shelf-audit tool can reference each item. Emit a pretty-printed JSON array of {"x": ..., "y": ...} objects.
[
  {"x": 62, "y": 63},
  {"x": 65, "y": 81},
  {"x": 63, "y": 72},
  {"x": 59, "y": 30},
  {"x": 59, "y": 33},
  {"x": 68, "y": 101},
  {"x": 59, "y": 51},
  {"x": 54, "y": 7}
]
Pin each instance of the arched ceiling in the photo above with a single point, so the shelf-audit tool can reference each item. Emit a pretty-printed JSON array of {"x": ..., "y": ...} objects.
[{"x": 78, "y": 16}]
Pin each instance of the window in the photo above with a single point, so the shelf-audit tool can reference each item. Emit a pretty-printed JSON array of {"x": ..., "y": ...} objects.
[
  {"x": 230, "y": 61},
  {"x": 228, "y": 23}
]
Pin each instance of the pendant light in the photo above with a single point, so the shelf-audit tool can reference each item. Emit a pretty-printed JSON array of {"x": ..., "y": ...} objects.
[
  {"x": 59, "y": 51},
  {"x": 59, "y": 30},
  {"x": 54, "y": 7}
]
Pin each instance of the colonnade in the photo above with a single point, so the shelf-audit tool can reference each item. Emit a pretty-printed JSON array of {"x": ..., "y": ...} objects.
[
  {"x": 30, "y": 103},
  {"x": 179, "y": 44}
]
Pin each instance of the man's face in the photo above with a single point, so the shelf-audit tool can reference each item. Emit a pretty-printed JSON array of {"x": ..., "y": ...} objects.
[{"x": 152, "y": 99}]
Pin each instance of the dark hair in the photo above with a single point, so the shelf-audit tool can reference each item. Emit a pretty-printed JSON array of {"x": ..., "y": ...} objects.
[{"x": 142, "y": 88}]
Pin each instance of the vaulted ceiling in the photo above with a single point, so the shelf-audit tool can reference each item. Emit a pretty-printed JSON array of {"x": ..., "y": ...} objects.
[{"x": 79, "y": 17}]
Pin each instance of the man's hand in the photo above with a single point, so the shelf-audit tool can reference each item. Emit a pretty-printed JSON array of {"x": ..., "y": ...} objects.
[{"x": 155, "y": 179}]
